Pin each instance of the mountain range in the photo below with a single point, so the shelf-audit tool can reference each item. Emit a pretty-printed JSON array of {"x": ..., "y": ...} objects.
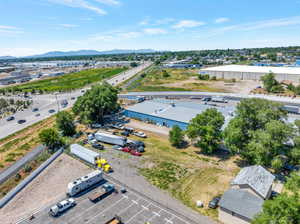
[
  {"x": 81, "y": 53},
  {"x": 88, "y": 52}
]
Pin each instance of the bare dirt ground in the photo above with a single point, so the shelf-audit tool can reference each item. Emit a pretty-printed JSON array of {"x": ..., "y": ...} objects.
[
  {"x": 242, "y": 87},
  {"x": 46, "y": 188}
]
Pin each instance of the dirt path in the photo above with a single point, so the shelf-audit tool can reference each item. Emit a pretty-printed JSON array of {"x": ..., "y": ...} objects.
[{"x": 46, "y": 188}]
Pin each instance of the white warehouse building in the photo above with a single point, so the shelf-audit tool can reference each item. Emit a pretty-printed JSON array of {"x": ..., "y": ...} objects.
[{"x": 246, "y": 72}]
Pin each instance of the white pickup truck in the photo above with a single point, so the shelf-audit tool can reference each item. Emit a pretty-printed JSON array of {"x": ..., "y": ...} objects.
[{"x": 62, "y": 206}]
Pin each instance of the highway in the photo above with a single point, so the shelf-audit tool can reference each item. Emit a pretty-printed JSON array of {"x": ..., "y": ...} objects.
[{"x": 48, "y": 102}]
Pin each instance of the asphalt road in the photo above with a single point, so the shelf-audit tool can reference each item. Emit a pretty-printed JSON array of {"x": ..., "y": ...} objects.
[
  {"x": 229, "y": 96},
  {"x": 50, "y": 101}
]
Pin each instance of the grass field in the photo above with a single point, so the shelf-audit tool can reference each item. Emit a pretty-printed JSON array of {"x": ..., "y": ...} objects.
[
  {"x": 186, "y": 174},
  {"x": 18, "y": 144},
  {"x": 68, "y": 82},
  {"x": 159, "y": 79}
]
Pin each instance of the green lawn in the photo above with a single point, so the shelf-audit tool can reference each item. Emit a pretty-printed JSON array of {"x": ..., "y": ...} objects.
[{"x": 70, "y": 81}]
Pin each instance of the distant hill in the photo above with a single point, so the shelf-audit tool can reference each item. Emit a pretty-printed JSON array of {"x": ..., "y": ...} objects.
[
  {"x": 6, "y": 57},
  {"x": 88, "y": 52}
]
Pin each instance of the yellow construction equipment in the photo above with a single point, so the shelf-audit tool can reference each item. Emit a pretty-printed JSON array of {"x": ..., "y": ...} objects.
[{"x": 103, "y": 164}]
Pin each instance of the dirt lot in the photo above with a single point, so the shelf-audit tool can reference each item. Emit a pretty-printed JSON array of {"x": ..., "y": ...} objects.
[{"x": 45, "y": 189}]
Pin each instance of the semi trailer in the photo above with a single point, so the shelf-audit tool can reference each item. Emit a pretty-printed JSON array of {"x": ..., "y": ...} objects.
[{"x": 110, "y": 139}]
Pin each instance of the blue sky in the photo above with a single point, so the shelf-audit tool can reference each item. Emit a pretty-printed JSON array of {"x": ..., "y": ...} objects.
[{"x": 36, "y": 26}]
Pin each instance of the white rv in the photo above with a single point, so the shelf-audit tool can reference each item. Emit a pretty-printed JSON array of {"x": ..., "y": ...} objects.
[{"x": 84, "y": 182}]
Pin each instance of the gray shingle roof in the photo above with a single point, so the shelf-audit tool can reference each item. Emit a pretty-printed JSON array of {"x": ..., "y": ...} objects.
[
  {"x": 241, "y": 202},
  {"x": 257, "y": 177}
]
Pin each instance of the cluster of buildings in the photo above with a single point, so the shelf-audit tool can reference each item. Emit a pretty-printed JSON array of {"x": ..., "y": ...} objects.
[
  {"x": 245, "y": 198},
  {"x": 247, "y": 72}
]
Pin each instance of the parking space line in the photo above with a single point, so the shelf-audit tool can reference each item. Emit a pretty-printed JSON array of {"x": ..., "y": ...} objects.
[
  {"x": 132, "y": 217},
  {"x": 109, "y": 207}
]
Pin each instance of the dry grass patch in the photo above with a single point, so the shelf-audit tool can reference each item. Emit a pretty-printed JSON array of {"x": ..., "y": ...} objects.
[{"x": 18, "y": 144}]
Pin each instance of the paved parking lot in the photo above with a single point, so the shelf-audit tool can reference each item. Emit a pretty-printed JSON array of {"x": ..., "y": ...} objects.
[{"x": 132, "y": 207}]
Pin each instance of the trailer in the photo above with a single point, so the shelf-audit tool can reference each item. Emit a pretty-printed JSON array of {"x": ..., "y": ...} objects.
[
  {"x": 84, "y": 182},
  {"x": 85, "y": 154},
  {"x": 103, "y": 192},
  {"x": 110, "y": 139},
  {"x": 219, "y": 99},
  {"x": 291, "y": 109}
]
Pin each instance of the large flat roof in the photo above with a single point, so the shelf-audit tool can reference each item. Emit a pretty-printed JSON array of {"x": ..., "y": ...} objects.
[
  {"x": 181, "y": 111},
  {"x": 255, "y": 69}
]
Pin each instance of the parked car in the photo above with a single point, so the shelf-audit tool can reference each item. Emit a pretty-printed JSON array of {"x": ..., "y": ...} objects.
[
  {"x": 62, "y": 206},
  {"x": 125, "y": 133},
  {"x": 135, "y": 153},
  {"x": 214, "y": 202},
  {"x": 140, "y": 149},
  {"x": 51, "y": 111},
  {"x": 35, "y": 109},
  {"x": 73, "y": 98},
  {"x": 140, "y": 134},
  {"x": 123, "y": 190},
  {"x": 117, "y": 147},
  {"x": 206, "y": 99},
  {"x": 135, "y": 143},
  {"x": 22, "y": 121},
  {"x": 10, "y": 118},
  {"x": 98, "y": 146},
  {"x": 38, "y": 114},
  {"x": 126, "y": 149},
  {"x": 274, "y": 194},
  {"x": 129, "y": 130},
  {"x": 96, "y": 126}
]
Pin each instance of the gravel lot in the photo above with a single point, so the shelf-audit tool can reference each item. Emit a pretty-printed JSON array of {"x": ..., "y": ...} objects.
[{"x": 44, "y": 190}]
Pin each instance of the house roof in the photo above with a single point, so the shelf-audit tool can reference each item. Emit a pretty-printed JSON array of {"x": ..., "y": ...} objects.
[
  {"x": 257, "y": 177},
  {"x": 241, "y": 202}
]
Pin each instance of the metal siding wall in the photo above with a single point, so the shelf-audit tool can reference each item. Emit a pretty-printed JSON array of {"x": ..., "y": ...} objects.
[{"x": 156, "y": 120}]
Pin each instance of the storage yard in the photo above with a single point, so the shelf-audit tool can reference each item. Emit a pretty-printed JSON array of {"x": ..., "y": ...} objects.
[{"x": 244, "y": 72}]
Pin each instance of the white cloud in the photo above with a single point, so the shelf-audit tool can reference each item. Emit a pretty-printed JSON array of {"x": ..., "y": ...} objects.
[
  {"x": 10, "y": 30},
  {"x": 144, "y": 22},
  {"x": 68, "y": 25},
  {"x": 188, "y": 24},
  {"x": 109, "y": 2},
  {"x": 80, "y": 4},
  {"x": 258, "y": 25},
  {"x": 154, "y": 31},
  {"x": 222, "y": 20},
  {"x": 164, "y": 21}
]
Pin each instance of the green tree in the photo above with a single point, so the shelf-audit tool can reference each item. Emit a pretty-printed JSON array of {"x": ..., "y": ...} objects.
[
  {"x": 205, "y": 128},
  {"x": 257, "y": 132},
  {"x": 176, "y": 136},
  {"x": 97, "y": 102},
  {"x": 64, "y": 122},
  {"x": 271, "y": 84},
  {"x": 277, "y": 164},
  {"x": 51, "y": 139},
  {"x": 285, "y": 208}
]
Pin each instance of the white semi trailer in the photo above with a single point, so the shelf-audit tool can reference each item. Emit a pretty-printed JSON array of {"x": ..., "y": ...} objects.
[
  {"x": 84, "y": 182},
  {"x": 110, "y": 139},
  {"x": 84, "y": 153}
]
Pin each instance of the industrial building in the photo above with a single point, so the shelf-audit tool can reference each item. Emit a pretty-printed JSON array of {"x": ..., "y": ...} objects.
[
  {"x": 171, "y": 112},
  {"x": 245, "y": 72}
]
